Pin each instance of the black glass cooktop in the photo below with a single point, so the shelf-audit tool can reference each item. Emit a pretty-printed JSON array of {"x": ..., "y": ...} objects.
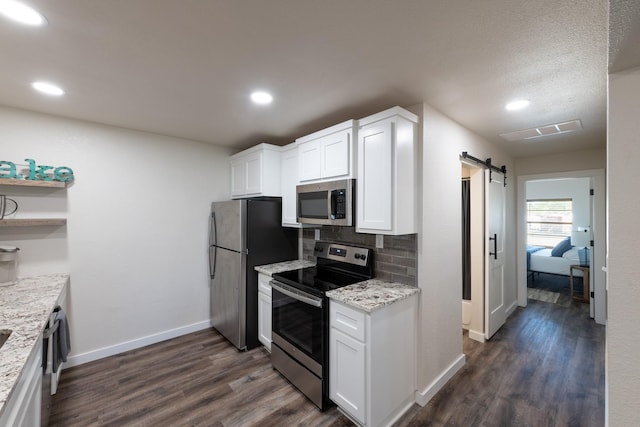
[{"x": 317, "y": 281}]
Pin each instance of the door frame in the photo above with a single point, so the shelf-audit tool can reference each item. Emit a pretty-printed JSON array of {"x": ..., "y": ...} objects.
[{"x": 597, "y": 278}]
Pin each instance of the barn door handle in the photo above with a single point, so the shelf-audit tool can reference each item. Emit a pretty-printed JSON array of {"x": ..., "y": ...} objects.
[{"x": 495, "y": 246}]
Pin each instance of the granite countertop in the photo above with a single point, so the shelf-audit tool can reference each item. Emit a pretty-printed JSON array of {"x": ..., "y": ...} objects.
[
  {"x": 372, "y": 295},
  {"x": 24, "y": 309},
  {"x": 279, "y": 267}
]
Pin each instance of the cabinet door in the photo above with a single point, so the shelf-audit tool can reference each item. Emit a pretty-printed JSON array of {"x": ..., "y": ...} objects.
[
  {"x": 289, "y": 172},
  {"x": 238, "y": 177},
  {"x": 347, "y": 383},
  {"x": 335, "y": 159},
  {"x": 375, "y": 178},
  {"x": 264, "y": 319},
  {"x": 309, "y": 160},
  {"x": 253, "y": 173},
  {"x": 23, "y": 407}
]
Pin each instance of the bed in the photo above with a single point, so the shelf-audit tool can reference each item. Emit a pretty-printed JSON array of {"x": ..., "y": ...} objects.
[{"x": 553, "y": 260}]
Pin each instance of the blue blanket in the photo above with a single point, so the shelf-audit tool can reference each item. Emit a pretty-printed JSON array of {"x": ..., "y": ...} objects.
[{"x": 530, "y": 250}]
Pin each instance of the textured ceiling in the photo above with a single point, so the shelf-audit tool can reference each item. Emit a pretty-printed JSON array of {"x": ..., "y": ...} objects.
[
  {"x": 186, "y": 68},
  {"x": 624, "y": 41}
]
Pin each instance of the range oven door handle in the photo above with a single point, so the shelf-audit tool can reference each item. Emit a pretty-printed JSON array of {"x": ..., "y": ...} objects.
[{"x": 286, "y": 290}]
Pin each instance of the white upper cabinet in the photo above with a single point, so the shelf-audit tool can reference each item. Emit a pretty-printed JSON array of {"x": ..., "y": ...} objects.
[
  {"x": 289, "y": 179},
  {"x": 387, "y": 179},
  {"x": 327, "y": 154},
  {"x": 256, "y": 172}
]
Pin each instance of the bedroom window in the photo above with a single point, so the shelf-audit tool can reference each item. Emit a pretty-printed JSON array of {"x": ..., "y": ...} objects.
[{"x": 548, "y": 221}]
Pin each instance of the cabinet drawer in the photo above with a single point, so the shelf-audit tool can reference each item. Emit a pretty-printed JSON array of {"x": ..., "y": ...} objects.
[{"x": 347, "y": 320}]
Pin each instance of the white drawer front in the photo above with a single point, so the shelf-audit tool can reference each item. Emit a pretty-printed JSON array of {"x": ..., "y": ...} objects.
[{"x": 347, "y": 320}]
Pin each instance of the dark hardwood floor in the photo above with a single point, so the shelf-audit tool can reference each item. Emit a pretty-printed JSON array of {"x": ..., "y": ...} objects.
[{"x": 545, "y": 367}]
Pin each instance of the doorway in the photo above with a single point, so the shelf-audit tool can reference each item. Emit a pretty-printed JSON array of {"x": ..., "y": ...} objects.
[
  {"x": 483, "y": 220},
  {"x": 594, "y": 214}
]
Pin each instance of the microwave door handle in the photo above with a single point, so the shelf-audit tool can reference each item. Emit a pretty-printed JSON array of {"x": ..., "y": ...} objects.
[{"x": 332, "y": 204}]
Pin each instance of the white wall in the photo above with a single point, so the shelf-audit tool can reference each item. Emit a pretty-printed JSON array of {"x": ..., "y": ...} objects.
[
  {"x": 136, "y": 239},
  {"x": 623, "y": 280},
  {"x": 440, "y": 245},
  {"x": 563, "y": 162},
  {"x": 576, "y": 189}
]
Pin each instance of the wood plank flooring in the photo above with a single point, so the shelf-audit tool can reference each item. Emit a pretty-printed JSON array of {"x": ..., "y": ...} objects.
[{"x": 545, "y": 367}]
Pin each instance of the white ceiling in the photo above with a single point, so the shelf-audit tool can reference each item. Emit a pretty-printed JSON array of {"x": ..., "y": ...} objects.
[{"x": 186, "y": 68}]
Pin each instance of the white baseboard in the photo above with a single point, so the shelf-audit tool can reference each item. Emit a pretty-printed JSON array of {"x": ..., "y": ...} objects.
[
  {"x": 101, "y": 353},
  {"x": 423, "y": 397},
  {"x": 476, "y": 336}
]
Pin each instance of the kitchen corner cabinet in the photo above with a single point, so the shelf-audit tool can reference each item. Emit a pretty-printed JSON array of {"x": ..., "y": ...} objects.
[
  {"x": 386, "y": 196},
  {"x": 256, "y": 172},
  {"x": 32, "y": 222},
  {"x": 327, "y": 154},
  {"x": 372, "y": 361},
  {"x": 264, "y": 310}
]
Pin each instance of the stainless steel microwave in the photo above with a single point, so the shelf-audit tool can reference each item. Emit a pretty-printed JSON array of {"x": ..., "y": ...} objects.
[{"x": 326, "y": 203}]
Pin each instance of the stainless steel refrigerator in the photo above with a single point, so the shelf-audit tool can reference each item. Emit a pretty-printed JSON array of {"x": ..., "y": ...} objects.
[{"x": 242, "y": 234}]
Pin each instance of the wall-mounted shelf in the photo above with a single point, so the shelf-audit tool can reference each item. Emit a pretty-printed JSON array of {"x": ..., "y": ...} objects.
[
  {"x": 32, "y": 222},
  {"x": 29, "y": 183}
]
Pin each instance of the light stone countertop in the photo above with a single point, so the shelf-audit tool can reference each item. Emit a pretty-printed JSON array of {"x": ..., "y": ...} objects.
[
  {"x": 372, "y": 295},
  {"x": 279, "y": 267},
  {"x": 24, "y": 309}
]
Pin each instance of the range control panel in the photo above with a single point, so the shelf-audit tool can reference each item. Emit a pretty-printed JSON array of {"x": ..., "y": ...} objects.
[{"x": 344, "y": 253}]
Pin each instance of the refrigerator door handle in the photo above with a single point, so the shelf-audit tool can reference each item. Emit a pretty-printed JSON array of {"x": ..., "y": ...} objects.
[
  {"x": 213, "y": 231},
  {"x": 212, "y": 261}
]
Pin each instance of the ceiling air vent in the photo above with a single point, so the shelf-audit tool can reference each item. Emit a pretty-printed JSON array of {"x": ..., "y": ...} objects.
[{"x": 541, "y": 131}]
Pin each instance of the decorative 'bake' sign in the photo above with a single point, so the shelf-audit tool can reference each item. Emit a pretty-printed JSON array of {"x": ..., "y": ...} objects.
[{"x": 36, "y": 172}]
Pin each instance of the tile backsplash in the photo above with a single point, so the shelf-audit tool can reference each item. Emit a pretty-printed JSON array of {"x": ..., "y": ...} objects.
[{"x": 395, "y": 262}]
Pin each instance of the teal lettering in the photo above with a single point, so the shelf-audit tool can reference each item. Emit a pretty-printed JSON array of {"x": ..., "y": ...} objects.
[
  {"x": 32, "y": 169},
  {"x": 63, "y": 174},
  {"x": 38, "y": 174},
  {"x": 10, "y": 168},
  {"x": 41, "y": 172}
]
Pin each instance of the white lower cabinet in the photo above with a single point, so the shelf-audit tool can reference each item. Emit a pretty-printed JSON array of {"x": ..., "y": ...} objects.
[
  {"x": 23, "y": 407},
  {"x": 264, "y": 310},
  {"x": 372, "y": 361}
]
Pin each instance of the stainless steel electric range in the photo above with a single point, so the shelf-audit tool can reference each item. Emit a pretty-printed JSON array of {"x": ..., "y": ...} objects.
[{"x": 300, "y": 315}]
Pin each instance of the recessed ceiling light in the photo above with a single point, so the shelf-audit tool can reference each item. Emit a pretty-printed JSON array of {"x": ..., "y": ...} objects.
[
  {"x": 262, "y": 98},
  {"x": 22, "y": 13},
  {"x": 517, "y": 105},
  {"x": 47, "y": 88}
]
